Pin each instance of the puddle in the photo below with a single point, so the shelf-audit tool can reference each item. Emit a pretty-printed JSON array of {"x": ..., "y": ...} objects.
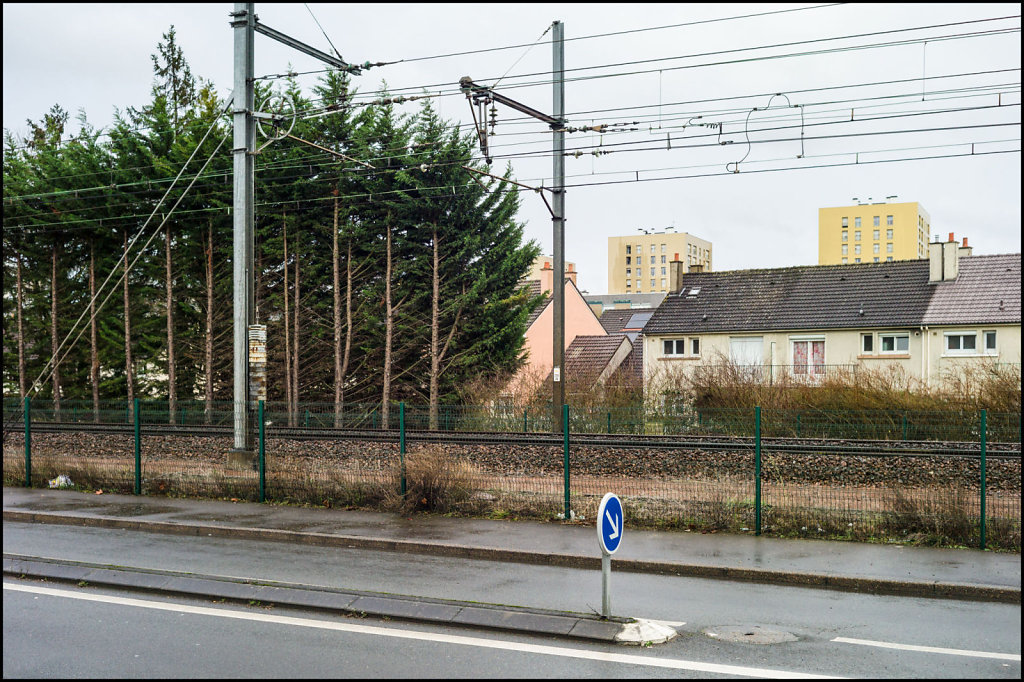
[
  {"x": 136, "y": 509},
  {"x": 751, "y": 634}
]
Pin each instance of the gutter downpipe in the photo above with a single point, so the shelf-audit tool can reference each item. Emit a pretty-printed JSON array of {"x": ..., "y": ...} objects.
[{"x": 926, "y": 348}]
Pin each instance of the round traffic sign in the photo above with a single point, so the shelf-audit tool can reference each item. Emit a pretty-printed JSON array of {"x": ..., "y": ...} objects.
[{"x": 609, "y": 523}]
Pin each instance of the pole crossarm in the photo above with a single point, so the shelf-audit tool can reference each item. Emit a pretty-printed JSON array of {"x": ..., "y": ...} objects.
[
  {"x": 302, "y": 47},
  {"x": 477, "y": 91}
]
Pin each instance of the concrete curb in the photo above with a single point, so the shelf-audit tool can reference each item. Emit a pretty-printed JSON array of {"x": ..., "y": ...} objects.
[
  {"x": 934, "y": 589},
  {"x": 332, "y": 600}
]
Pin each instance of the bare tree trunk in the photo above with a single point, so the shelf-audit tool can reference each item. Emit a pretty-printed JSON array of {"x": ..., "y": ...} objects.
[
  {"x": 287, "y": 322},
  {"x": 435, "y": 314},
  {"x": 208, "y": 359},
  {"x": 388, "y": 329},
  {"x": 22, "y": 378},
  {"x": 172, "y": 391},
  {"x": 295, "y": 332},
  {"x": 337, "y": 316},
  {"x": 437, "y": 349},
  {"x": 348, "y": 318},
  {"x": 128, "y": 373},
  {"x": 53, "y": 329},
  {"x": 94, "y": 355}
]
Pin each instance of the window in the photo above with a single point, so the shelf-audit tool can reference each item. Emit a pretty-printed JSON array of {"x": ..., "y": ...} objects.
[
  {"x": 846, "y": 235},
  {"x": 875, "y": 248},
  {"x": 894, "y": 343},
  {"x": 652, "y": 282},
  {"x": 844, "y": 249},
  {"x": 639, "y": 249},
  {"x": 652, "y": 248},
  {"x": 652, "y": 260},
  {"x": 674, "y": 346},
  {"x": 629, "y": 283},
  {"x": 888, "y": 259},
  {"x": 856, "y": 235},
  {"x": 809, "y": 357},
  {"x": 628, "y": 273},
  {"x": 652, "y": 271},
  {"x": 628, "y": 247},
  {"x": 663, "y": 247},
  {"x": 695, "y": 346},
  {"x": 876, "y": 259},
  {"x": 856, "y": 249},
  {"x": 961, "y": 344},
  {"x": 875, "y": 221},
  {"x": 888, "y": 247},
  {"x": 663, "y": 271},
  {"x": 662, "y": 282},
  {"x": 990, "y": 343},
  {"x": 888, "y": 220},
  {"x": 845, "y": 261},
  {"x": 627, "y": 259},
  {"x": 856, "y": 222},
  {"x": 874, "y": 235},
  {"x": 663, "y": 259},
  {"x": 856, "y": 260},
  {"x": 846, "y": 222},
  {"x": 888, "y": 233},
  {"x": 867, "y": 343}
]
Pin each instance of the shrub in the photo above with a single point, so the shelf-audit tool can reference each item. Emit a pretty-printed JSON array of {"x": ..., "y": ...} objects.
[{"x": 435, "y": 481}]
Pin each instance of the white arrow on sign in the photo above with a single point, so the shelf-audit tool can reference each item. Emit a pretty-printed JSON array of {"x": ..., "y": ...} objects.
[{"x": 615, "y": 525}]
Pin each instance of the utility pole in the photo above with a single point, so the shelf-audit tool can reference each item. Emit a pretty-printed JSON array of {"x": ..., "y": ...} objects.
[
  {"x": 244, "y": 23},
  {"x": 558, "y": 224},
  {"x": 482, "y": 95}
]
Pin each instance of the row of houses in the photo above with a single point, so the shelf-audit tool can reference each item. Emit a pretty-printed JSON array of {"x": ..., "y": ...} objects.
[{"x": 926, "y": 316}]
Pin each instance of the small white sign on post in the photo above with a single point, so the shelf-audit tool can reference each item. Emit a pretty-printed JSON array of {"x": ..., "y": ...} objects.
[{"x": 610, "y": 527}]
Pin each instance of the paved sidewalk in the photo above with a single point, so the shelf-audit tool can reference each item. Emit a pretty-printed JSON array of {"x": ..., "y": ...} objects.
[{"x": 849, "y": 566}]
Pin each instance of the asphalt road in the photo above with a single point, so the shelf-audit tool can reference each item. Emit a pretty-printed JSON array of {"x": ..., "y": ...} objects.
[{"x": 60, "y": 634}]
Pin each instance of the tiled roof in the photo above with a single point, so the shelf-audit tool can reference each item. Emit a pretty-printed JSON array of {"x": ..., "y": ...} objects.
[
  {"x": 615, "y": 320},
  {"x": 588, "y": 356},
  {"x": 632, "y": 368},
  {"x": 869, "y": 295},
  {"x": 533, "y": 286}
]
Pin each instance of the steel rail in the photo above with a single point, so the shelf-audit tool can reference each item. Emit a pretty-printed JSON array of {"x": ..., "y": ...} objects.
[{"x": 821, "y": 446}]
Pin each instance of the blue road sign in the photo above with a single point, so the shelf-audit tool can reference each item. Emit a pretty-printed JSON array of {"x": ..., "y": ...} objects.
[{"x": 610, "y": 523}]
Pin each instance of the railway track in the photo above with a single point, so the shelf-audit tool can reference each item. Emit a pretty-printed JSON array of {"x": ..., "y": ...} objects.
[{"x": 659, "y": 442}]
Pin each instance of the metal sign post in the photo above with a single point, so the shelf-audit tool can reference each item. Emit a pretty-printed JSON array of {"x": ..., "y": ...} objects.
[{"x": 610, "y": 526}]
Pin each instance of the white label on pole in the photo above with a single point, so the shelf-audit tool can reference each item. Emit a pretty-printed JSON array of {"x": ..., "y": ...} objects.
[{"x": 558, "y": 373}]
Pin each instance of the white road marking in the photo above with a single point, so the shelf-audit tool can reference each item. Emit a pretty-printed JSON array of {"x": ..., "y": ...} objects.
[
  {"x": 929, "y": 649},
  {"x": 628, "y": 659}
]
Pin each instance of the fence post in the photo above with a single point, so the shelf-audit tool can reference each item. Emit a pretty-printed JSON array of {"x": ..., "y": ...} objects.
[
  {"x": 757, "y": 470},
  {"x": 797, "y": 424},
  {"x": 138, "y": 450},
  {"x": 525, "y": 410},
  {"x": 262, "y": 454},
  {"x": 983, "y": 434},
  {"x": 28, "y": 443},
  {"x": 904, "y": 426},
  {"x": 565, "y": 457},
  {"x": 401, "y": 441},
  {"x": 609, "y": 422}
]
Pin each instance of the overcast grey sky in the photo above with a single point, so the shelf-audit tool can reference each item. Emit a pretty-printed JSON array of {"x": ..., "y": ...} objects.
[{"x": 96, "y": 57}]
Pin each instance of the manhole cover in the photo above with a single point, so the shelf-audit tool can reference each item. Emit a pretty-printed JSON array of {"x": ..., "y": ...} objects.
[{"x": 751, "y": 634}]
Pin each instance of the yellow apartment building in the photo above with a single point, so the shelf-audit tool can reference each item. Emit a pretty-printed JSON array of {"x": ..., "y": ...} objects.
[
  {"x": 872, "y": 233},
  {"x": 639, "y": 264}
]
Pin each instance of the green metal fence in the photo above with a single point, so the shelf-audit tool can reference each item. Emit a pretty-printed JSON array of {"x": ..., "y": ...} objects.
[{"x": 857, "y": 475}]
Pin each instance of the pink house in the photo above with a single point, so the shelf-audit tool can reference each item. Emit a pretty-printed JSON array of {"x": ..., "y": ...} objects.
[{"x": 580, "y": 320}]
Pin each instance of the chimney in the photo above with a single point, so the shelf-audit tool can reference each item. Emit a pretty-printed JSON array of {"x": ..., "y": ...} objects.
[
  {"x": 696, "y": 267},
  {"x": 964, "y": 250},
  {"x": 547, "y": 277},
  {"x": 675, "y": 275},
  {"x": 943, "y": 261},
  {"x": 570, "y": 272}
]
